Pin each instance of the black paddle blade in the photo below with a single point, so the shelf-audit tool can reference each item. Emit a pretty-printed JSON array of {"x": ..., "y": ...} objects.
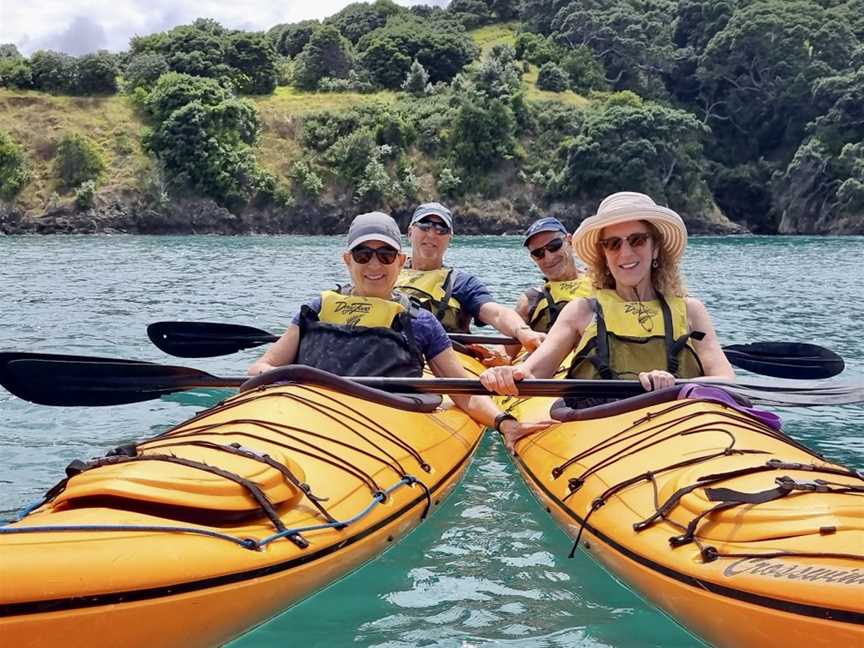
[
  {"x": 205, "y": 339},
  {"x": 796, "y": 360},
  {"x": 69, "y": 381}
]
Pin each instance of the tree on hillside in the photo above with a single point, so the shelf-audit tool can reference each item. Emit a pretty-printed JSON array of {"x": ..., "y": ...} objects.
[
  {"x": 758, "y": 74},
  {"x": 16, "y": 73},
  {"x": 645, "y": 146},
  {"x": 553, "y": 78},
  {"x": 327, "y": 54},
  {"x": 202, "y": 135},
  {"x": 253, "y": 56},
  {"x": 290, "y": 39},
  {"x": 360, "y": 18},
  {"x": 416, "y": 81},
  {"x": 471, "y": 13},
  {"x": 14, "y": 167},
  {"x": 143, "y": 70},
  {"x": 97, "y": 73},
  {"x": 53, "y": 71},
  {"x": 79, "y": 160},
  {"x": 633, "y": 40},
  {"x": 198, "y": 49},
  {"x": 9, "y": 50},
  {"x": 484, "y": 134},
  {"x": 441, "y": 46},
  {"x": 174, "y": 90}
]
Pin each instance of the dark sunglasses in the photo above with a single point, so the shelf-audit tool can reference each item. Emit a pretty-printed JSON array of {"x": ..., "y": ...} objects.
[
  {"x": 552, "y": 246},
  {"x": 425, "y": 226},
  {"x": 635, "y": 240},
  {"x": 363, "y": 254}
]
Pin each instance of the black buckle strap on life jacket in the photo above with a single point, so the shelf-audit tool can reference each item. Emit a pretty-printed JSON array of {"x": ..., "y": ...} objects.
[
  {"x": 442, "y": 306},
  {"x": 406, "y": 323},
  {"x": 674, "y": 346},
  {"x": 601, "y": 359},
  {"x": 552, "y": 307}
]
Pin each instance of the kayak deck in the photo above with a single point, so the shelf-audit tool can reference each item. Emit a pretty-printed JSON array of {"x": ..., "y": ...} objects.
[
  {"x": 742, "y": 535},
  {"x": 226, "y": 519}
]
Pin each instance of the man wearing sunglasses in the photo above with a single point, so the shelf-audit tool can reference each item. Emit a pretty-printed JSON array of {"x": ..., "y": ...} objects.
[
  {"x": 455, "y": 297},
  {"x": 367, "y": 329},
  {"x": 548, "y": 243}
]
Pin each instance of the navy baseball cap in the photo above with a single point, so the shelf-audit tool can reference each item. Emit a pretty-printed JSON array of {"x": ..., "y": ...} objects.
[
  {"x": 433, "y": 209},
  {"x": 548, "y": 224}
]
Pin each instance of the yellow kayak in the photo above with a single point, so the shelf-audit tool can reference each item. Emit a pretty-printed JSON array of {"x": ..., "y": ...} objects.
[
  {"x": 739, "y": 533},
  {"x": 194, "y": 536}
]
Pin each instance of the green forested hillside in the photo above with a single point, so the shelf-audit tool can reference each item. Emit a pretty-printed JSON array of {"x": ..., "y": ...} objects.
[{"x": 505, "y": 109}]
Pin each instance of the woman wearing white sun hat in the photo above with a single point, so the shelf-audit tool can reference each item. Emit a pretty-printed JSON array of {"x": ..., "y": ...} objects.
[{"x": 640, "y": 321}]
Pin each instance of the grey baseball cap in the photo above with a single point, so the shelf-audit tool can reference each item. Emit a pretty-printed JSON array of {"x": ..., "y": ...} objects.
[
  {"x": 374, "y": 226},
  {"x": 433, "y": 209}
]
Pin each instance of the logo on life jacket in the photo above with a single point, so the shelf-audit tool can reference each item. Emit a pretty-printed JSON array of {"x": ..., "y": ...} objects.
[
  {"x": 352, "y": 312},
  {"x": 643, "y": 313}
]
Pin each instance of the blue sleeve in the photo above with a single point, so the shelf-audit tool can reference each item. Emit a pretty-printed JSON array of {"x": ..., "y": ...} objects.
[
  {"x": 315, "y": 305},
  {"x": 471, "y": 293},
  {"x": 430, "y": 335}
]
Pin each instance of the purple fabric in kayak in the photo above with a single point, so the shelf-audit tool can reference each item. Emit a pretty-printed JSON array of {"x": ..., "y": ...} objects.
[{"x": 718, "y": 395}]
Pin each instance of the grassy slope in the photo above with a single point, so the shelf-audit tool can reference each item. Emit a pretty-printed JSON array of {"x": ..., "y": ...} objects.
[{"x": 37, "y": 121}]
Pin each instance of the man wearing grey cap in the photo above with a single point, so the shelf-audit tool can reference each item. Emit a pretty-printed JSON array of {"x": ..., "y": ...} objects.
[
  {"x": 548, "y": 243},
  {"x": 368, "y": 330},
  {"x": 454, "y": 296}
]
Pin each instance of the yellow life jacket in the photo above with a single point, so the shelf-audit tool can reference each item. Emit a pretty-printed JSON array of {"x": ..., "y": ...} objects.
[
  {"x": 433, "y": 290},
  {"x": 550, "y": 299},
  {"x": 626, "y": 338},
  {"x": 351, "y": 310},
  {"x": 360, "y": 336}
]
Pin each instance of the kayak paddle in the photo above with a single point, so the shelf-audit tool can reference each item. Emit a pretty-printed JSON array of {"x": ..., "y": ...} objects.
[
  {"x": 796, "y": 360},
  {"x": 69, "y": 381}
]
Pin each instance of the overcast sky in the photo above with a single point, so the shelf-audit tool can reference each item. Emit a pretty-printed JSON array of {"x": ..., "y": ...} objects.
[{"x": 81, "y": 26}]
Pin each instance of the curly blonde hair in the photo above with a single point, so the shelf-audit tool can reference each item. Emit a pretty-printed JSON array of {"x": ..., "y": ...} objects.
[{"x": 665, "y": 278}]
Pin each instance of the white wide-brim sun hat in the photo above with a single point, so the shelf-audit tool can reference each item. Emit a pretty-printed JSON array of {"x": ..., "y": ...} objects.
[{"x": 623, "y": 207}]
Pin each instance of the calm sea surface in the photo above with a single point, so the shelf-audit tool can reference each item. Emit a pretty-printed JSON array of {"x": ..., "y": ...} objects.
[{"x": 489, "y": 568}]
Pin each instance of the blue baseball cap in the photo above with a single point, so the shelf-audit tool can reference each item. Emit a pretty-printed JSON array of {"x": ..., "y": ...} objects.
[
  {"x": 548, "y": 224},
  {"x": 433, "y": 209}
]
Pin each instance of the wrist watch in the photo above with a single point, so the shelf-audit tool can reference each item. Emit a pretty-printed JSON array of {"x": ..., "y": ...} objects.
[{"x": 503, "y": 416}]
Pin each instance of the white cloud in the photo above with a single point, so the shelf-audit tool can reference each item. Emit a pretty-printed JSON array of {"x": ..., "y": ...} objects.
[{"x": 77, "y": 27}]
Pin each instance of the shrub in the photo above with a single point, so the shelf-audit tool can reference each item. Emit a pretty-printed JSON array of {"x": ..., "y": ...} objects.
[
  {"x": 306, "y": 179},
  {"x": 327, "y": 54},
  {"x": 97, "y": 73},
  {"x": 144, "y": 70},
  {"x": 14, "y": 168},
  {"x": 16, "y": 73},
  {"x": 85, "y": 195},
  {"x": 448, "y": 182},
  {"x": 78, "y": 160},
  {"x": 552, "y": 78},
  {"x": 416, "y": 80}
]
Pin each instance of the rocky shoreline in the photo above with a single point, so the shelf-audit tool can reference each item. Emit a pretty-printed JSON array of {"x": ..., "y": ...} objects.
[{"x": 203, "y": 216}]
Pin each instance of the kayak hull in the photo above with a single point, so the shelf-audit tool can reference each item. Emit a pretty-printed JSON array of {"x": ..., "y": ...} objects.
[
  {"x": 135, "y": 583},
  {"x": 764, "y": 588}
]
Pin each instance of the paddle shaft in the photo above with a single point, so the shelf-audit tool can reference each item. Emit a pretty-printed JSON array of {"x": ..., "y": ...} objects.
[
  {"x": 779, "y": 359},
  {"x": 52, "y": 379}
]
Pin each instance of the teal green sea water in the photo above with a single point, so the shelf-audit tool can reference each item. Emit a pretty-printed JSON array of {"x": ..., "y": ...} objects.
[{"x": 490, "y": 568}]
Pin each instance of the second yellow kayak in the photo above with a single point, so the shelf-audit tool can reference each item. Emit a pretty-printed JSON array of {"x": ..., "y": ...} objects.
[{"x": 742, "y": 535}]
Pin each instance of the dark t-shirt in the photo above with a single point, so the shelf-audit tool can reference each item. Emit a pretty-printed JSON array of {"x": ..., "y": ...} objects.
[
  {"x": 471, "y": 293},
  {"x": 430, "y": 335}
]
